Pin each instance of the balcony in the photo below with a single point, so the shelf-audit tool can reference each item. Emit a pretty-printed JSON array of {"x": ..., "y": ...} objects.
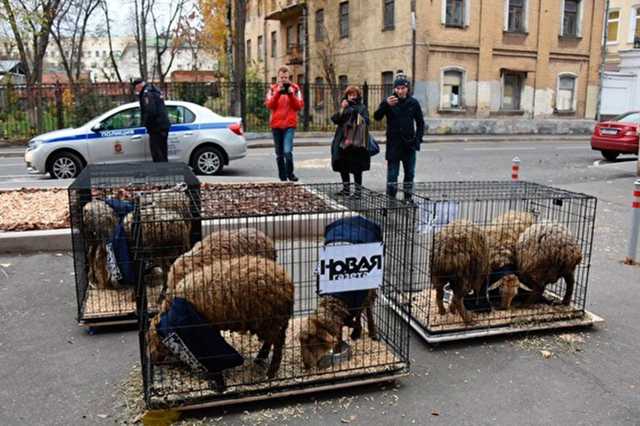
[
  {"x": 283, "y": 10},
  {"x": 294, "y": 54}
]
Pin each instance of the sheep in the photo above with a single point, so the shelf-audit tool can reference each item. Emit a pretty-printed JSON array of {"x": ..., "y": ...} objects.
[
  {"x": 242, "y": 294},
  {"x": 460, "y": 257},
  {"x": 502, "y": 236},
  {"x": 546, "y": 252},
  {"x": 177, "y": 201},
  {"x": 99, "y": 220},
  {"x": 161, "y": 228},
  {"x": 322, "y": 331},
  {"x": 222, "y": 244},
  {"x": 508, "y": 286}
]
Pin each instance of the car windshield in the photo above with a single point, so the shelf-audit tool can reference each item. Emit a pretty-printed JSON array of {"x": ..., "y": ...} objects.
[{"x": 629, "y": 117}]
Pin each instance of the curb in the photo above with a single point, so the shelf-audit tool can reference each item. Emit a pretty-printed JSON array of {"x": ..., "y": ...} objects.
[
  {"x": 264, "y": 141},
  {"x": 31, "y": 241}
]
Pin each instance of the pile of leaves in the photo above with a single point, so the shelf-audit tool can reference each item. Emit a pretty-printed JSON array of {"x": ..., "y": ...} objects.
[{"x": 34, "y": 209}]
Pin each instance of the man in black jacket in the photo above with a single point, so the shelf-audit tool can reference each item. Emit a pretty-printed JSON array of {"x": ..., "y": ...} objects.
[
  {"x": 154, "y": 117},
  {"x": 405, "y": 127}
]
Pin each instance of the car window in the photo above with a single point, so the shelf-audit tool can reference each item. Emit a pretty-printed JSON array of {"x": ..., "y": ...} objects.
[
  {"x": 633, "y": 117},
  {"x": 127, "y": 119},
  {"x": 180, "y": 115}
]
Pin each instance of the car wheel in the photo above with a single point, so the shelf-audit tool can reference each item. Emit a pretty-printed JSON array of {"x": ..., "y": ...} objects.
[
  {"x": 208, "y": 160},
  {"x": 610, "y": 155},
  {"x": 65, "y": 165}
]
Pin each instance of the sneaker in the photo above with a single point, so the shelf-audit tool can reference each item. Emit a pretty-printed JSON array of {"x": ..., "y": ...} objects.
[
  {"x": 293, "y": 178},
  {"x": 342, "y": 193},
  {"x": 356, "y": 195}
]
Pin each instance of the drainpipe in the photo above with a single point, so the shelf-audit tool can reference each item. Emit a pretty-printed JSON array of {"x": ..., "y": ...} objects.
[{"x": 603, "y": 59}]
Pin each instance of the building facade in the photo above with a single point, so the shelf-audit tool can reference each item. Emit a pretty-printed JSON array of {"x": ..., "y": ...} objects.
[{"x": 473, "y": 58}]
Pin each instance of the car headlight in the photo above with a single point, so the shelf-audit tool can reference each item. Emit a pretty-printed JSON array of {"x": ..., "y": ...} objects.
[{"x": 34, "y": 144}]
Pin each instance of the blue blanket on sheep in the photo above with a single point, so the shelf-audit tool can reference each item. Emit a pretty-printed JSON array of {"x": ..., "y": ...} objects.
[
  {"x": 188, "y": 336},
  {"x": 119, "y": 245}
]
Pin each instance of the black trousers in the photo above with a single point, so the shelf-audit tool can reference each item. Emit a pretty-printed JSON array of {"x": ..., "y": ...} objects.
[
  {"x": 357, "y": 177},
  {"x": 158, "y": 145}
]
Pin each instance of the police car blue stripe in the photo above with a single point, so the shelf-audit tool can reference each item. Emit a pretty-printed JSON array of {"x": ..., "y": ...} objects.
[{"x": 143, "y": 131}]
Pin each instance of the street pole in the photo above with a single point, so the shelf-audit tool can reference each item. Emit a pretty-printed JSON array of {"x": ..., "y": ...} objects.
[
  {"x": 413, "y": 45},
  {"x": 635, "y": 225},
  {"x": 602, "y": 62}
]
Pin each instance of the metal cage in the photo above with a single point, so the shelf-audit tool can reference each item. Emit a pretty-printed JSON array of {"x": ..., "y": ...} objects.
[
  {"x": 103, "y": 201},
  {"x": 498, "y": 255},
  {"x": 251, "y": 289}
]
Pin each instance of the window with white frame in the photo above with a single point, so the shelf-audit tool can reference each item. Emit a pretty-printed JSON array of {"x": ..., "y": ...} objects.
[
  {"x": 455, "y": 13},
  {"x": 451, "y": 93},
  {"x": 566, "y": 94},
  {"x": 613, "y": 26},
  {"x": 571, "y": 22},
  {"x": 634, "y": 27},
  {"x": 515, "y": 12},
  {"x": 512, "y": 85}
]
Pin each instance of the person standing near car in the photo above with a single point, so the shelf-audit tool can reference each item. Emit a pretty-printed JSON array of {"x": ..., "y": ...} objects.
[
  {"x": 284, "y": 100},
  {"x": 154, "y": 118},
  {"x": 405, "y": 128}
]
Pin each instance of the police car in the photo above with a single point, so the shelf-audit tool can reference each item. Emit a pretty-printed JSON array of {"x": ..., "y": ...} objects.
[{"x": 198, "y": 136}]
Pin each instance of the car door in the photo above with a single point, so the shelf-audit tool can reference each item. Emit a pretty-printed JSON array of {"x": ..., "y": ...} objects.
[
  {"x": 183, "y": 132},
  {"x": 120, "y": 138}
]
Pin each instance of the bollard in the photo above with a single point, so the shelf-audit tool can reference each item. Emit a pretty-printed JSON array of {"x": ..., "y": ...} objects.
[
  {"x": 635, "y": 225},
  {"x": 515, "y": 169}
]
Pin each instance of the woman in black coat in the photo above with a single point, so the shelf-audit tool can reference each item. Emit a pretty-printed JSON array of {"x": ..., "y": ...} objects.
[{"x": 349, "y": 160}]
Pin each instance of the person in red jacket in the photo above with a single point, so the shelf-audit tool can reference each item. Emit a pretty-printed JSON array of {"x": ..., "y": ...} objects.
[{"x": 284, "y": 100}]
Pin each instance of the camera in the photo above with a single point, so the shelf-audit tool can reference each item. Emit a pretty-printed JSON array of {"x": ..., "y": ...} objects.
[{"x": 285, "y": 88}]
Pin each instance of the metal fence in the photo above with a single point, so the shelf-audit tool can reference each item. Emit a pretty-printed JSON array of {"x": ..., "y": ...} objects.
[{"x": 28, "y": 111}]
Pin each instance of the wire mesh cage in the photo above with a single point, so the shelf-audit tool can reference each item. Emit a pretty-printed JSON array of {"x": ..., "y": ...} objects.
[
  {"x": 103, "y": 202},
  {"x": 497, "y": 257},
  {"x": 279, "y": 296}
]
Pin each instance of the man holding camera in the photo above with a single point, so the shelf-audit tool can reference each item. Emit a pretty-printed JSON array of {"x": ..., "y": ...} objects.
[
  {"x": 405, "y": 128},
  {"x": 284, "y": 100}
]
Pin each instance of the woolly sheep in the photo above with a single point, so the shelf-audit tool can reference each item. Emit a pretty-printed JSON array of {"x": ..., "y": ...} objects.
[
  {"x": 460, "y": 258},
  {"x": 502, "y": 236},
  {"x": 546, "y": 252},
  {"x": 99, "y": 220},
  {"x": 322, "y": 331},
  {"x": 243, "y": 294},
  {"x": 222, "y": 244}
]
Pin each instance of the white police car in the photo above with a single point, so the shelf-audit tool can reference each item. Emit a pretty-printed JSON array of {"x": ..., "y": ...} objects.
[{"x": 198, "y": 136}]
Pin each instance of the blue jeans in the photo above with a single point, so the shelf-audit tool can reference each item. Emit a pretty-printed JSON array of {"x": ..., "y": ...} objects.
[
  {"x": 409, "y": 169},
  {"x": 283, "y": 140}
]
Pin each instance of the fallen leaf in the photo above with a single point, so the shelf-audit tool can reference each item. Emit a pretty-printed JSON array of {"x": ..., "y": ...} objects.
[
  {"x": 103, "y": 416},
  {"x": 546, "y": 354},
  {"x": 435, "y": 413}
]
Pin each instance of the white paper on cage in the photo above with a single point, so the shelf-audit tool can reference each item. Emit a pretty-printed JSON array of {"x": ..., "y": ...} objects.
[
  {"x": 433, "y": 215},
  {"x": 350, "y": 267}
]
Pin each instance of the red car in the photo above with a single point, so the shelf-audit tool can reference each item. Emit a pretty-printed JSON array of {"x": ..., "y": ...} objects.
[{"x": 617, "y": 136}]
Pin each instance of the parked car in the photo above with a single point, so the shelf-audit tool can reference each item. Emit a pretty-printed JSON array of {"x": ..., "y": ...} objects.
[
  {"x": 617, "y": 136},
  {"x": 198, "y": 136}
]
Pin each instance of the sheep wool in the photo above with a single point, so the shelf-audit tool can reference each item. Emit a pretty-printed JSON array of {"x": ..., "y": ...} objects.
[
  {"x": 99, "y": 220},
  {"x": 223, "y": 244},
  {"x": 546, "y": 252},
  {"x": 460, "y": 257},
  {"x": 503, "y": 234}
]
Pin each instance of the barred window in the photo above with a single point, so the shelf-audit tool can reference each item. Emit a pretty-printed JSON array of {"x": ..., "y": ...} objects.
[{"x": 389, "y": 15}]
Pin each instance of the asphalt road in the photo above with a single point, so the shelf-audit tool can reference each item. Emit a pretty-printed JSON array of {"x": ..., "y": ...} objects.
[
  {"x": 542, "y": 161},
  {"x": 53, "y": 372}
]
